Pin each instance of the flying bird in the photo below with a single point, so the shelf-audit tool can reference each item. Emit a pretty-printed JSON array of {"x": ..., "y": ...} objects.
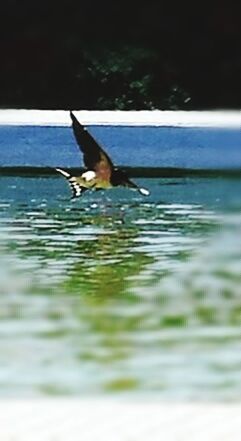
[{"x": 100, "y": 172}]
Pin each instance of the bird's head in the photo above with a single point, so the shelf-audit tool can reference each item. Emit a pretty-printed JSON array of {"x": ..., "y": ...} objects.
[{"x": 119, "y": 177}]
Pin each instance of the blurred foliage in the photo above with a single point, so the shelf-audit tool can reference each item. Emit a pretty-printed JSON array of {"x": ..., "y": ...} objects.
[{"x": 120, "y": 55}]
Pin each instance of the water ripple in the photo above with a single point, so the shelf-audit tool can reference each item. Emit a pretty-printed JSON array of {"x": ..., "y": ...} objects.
[{"x": 115, "y": 293}]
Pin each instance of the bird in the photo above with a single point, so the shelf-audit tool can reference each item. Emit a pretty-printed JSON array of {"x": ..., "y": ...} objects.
[{"x": 100, "y": 172}]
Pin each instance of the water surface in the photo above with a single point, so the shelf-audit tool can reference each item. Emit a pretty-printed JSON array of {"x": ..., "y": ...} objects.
[{"x": 120, "y": 294}]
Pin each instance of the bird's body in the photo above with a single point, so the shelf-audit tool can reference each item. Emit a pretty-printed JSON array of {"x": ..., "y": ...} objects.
[{"x": 100, "y": 172}]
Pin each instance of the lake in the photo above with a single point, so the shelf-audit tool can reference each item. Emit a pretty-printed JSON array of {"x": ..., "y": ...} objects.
[{"x": 120, "y": 295}]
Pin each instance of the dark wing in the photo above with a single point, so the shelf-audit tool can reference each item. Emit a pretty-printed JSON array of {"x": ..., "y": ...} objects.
[{"x": 94, "y": 156}]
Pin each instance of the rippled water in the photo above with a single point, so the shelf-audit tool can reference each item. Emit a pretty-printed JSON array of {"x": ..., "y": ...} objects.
[{"x": 120, "y": 294}]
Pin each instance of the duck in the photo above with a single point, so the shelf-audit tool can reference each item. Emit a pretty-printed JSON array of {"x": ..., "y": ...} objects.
[{"x": 100, "y": 173}]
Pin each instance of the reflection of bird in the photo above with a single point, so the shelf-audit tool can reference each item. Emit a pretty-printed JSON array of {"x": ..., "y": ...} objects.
[{"x": 100, "y": 172}]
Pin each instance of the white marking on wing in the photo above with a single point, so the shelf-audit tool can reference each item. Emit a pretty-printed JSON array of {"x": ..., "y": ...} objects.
[{"x": 89, "y": 175}]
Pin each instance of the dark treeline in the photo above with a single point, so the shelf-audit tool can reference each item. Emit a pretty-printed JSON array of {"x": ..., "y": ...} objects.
[{"x": 120, "y": 54}]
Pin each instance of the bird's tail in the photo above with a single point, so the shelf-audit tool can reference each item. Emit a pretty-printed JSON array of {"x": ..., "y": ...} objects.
[
  {"x": 76, "y": 188},
  {"x": 64, "y": 173}
]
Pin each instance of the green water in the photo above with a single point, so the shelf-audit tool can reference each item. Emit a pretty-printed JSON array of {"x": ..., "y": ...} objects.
[{"x": 117, "y": 294}]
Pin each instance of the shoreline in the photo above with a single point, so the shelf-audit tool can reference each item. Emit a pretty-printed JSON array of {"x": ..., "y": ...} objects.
[{"x": 149, "y": 118}]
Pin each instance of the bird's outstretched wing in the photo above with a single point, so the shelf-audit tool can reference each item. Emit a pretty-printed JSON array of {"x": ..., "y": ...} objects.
[{"x": 95, "y": 157}]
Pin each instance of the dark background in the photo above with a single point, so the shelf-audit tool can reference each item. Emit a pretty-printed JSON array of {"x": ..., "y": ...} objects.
[{"x": 120, "y": 54}]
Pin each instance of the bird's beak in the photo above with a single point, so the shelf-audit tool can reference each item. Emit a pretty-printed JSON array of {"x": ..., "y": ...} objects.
[
  {"x": 144, "y": 191},
  {"x": 141, "y": 190}
]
